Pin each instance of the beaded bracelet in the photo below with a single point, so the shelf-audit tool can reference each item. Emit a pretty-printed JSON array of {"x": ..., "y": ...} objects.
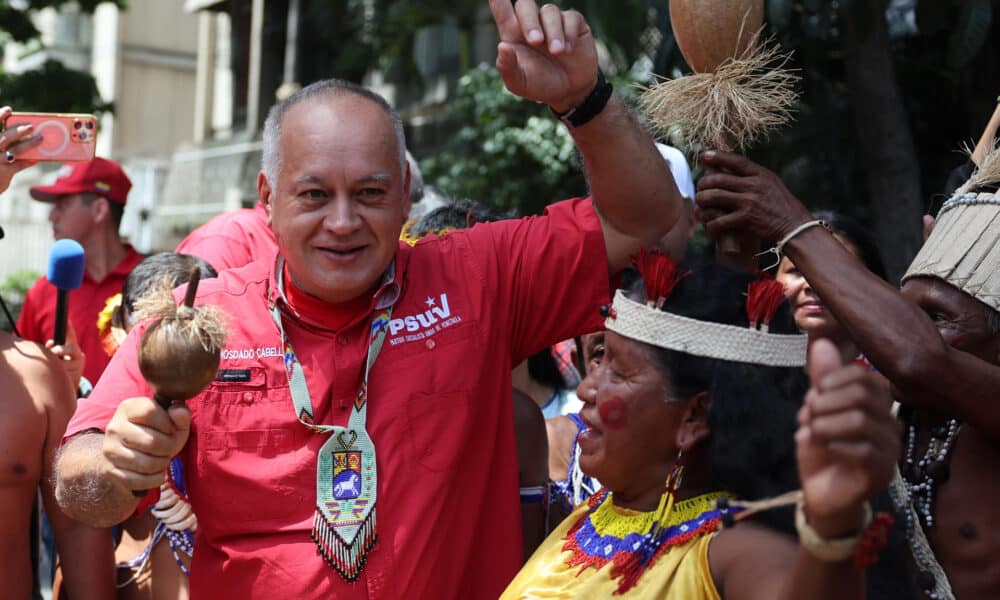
[{"x": 827, "y": 550}]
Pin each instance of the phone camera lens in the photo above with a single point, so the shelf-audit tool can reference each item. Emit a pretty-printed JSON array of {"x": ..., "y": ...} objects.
[
  {"x": 90, "y": 124},
  {"x": 77, "y": 125},
  {"x": 83, "y": 135}
]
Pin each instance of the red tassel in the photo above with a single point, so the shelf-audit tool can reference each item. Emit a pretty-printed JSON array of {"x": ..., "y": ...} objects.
[
  {"x": 764, "y": 296},
  {"x": 659, "y": 274},
  {"x": 874, "y": 539}
]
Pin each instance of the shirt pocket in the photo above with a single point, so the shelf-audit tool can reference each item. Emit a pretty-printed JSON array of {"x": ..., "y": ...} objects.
[
  {"x": 438, "y": 426},
  {"x": 255, "y": 462}
]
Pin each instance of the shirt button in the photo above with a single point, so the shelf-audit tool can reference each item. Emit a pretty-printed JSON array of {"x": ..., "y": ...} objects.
[
  {"x": 430, "y": 344},
  {"x": 248, "y": 397}
]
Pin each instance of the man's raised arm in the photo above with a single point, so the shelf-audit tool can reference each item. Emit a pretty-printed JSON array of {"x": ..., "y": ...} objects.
[
  {"x": 894, "y": 333},
  {"x": 549, "y": 55}
]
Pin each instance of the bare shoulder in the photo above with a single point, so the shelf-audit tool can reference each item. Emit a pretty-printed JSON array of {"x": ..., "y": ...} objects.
[
  {"x": 749, "y": 553},
  {"x": 561, "y": 433},
  {"x": 30, "y": 367}
]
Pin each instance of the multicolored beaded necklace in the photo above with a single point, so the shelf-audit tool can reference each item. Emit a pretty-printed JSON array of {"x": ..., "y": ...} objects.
[{"x": 630, "y": 540}]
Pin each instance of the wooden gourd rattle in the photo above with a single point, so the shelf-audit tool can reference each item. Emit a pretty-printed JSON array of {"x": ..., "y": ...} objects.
[
  {"x": 179, "y": 352},
  {"x": 734, "y": 96}
]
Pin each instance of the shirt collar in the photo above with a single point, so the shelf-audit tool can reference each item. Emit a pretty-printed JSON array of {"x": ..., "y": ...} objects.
[{"x": 386, "y": 295}]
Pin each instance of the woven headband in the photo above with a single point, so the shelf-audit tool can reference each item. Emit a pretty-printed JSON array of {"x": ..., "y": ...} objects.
[{"x": 642, "y": 323}]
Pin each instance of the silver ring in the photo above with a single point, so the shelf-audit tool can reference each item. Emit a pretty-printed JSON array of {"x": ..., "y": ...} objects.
[{"x": 9, "y": 157}]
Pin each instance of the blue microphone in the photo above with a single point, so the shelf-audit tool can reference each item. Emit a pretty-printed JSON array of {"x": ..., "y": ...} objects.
[{"x": 66, "y": 273}]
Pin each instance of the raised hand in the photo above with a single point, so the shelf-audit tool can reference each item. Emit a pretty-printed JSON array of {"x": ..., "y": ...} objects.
[
  {"x": 744, "y": 197},
  {"x": 71, "y": 356},
  {"x": 12, "y": 142},
  {"x": 545, "y": 54},
  {"x": 848, "y": 441}
]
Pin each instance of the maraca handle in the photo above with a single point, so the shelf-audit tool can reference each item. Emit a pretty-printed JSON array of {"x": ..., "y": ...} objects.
[{"x": 164, "y": 402}]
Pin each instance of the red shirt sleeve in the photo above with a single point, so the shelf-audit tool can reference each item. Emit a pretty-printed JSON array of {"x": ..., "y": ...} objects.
[
  {"x": 222, "y": 252},
  {"x": 120, "y": 380},
  {"x": 551, "y": 273}
]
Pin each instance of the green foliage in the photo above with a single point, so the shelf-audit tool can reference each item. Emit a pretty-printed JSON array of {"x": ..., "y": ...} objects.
[
  {"x": 510, "y": 153},
  {"x": 13, "y": 290},
  {"x": 15, "y": 21},
  {"x": 52, "y": 87},
  {"x": 33, "y": 90}
]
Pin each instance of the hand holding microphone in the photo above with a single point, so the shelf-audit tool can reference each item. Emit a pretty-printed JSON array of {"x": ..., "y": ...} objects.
[{"x": 74, "y": 359}]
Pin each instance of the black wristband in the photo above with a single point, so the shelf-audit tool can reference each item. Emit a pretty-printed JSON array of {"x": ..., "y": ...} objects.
[{"x": 590, "y": 107}]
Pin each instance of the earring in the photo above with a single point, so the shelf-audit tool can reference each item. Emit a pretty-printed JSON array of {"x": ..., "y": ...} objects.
[{"x": 676, "y": 474}]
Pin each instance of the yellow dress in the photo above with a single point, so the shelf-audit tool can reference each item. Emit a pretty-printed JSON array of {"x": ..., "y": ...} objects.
[{"x": 579, "y": 558}]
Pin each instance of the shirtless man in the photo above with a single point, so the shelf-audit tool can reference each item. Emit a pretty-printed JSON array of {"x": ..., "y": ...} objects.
[
  {"x": 37, "y": 402},
  {"x": 938, "y": 343}
]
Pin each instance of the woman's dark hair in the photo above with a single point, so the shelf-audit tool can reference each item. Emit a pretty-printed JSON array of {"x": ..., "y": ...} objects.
[
  {"x": 152, "y": 271},
  {"x": 543, "y": 368},
  {"x": 858, "y": 235},
  {"x": 751, "y": 449},
  {"x": 460, "y": 215},
  {"x": 752, "y": 417}
]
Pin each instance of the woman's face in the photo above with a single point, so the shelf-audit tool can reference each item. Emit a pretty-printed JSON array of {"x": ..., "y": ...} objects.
[
  {"x": 811, "y": 315},
  {"x": 629, "y": 443}
]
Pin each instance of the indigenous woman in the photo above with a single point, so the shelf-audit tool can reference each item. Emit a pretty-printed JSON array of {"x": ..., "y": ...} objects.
[
  {"x": 691, "y": 407},
  {"x": 810, "y": 314}
]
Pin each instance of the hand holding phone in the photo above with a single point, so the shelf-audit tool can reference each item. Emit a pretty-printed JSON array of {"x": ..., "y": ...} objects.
[
  {"x": 62, "y": 137},
  {"x": 13, "y": 140}
]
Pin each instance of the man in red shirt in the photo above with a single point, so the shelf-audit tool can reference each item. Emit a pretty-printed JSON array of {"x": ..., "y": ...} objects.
[
  {"x": 354, "y": 343},
  {"x": 232, "y": 239},
  {"x": 238, "y": 237},
  {"x": 87, "y": 199}
]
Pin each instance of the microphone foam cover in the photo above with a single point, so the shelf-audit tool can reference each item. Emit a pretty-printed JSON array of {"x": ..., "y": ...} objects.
[{"x": 66, "y": 265}]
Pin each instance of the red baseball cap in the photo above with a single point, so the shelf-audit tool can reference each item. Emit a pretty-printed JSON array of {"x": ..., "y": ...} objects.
[{"x": 101, "y": 176}]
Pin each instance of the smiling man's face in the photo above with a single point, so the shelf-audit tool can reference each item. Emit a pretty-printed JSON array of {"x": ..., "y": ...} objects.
[{"x": 338, "y": 204}]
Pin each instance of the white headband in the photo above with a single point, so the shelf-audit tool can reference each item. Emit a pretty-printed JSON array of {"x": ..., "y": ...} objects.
[{"x": 702, "y": 338}]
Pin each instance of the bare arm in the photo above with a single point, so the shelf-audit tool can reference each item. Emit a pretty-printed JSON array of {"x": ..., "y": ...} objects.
[
  {"x": 630, "y": 183},
  {"x": 896, "y": 335},
  {"x": 97, "y": 473},
  {"x": 550, "y": 56},
  {"x": 750, "y": 562},
  {"x": 85, "y": 553},
  {"x": 84, "y": 488},
  {"x": 847, "y": 446}
]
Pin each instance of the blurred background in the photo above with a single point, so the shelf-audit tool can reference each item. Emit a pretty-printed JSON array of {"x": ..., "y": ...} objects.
[{"x": 890, "y": 91}]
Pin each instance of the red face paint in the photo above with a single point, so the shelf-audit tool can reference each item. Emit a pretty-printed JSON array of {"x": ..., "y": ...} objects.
[{"x": 614, "y": 412}]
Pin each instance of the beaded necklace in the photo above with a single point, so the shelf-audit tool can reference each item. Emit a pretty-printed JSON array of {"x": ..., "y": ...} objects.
[
  {"x": 630, "y": 540},
  {"x": 925, "y": 474},
  {"x": 921, "y": 477}
]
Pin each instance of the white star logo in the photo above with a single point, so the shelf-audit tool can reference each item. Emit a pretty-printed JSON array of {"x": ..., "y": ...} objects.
[{"x": 429, "y": 301}]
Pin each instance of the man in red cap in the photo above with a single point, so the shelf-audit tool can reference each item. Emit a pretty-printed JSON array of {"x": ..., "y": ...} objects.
[{"x": 88, "y": 199}]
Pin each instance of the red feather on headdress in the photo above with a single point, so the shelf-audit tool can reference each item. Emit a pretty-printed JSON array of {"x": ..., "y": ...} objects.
[
  {"x": 764, "y": 296},
  {"x": 659, "y": 274}
]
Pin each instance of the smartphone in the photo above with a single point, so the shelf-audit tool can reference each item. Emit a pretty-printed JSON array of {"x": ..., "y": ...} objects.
[{"x": 66, "y": 137}]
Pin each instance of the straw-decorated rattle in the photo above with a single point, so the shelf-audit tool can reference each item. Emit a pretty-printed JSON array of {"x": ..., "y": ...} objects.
[
  {"x": 734, "y": 96},
  {"x": 179, "y": 352}
]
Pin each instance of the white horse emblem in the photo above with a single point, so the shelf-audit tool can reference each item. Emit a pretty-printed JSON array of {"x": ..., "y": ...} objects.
[{"x": 348, "y": 487}]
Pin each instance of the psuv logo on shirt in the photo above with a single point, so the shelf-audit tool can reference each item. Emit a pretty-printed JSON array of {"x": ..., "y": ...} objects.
[{"x": 410, "y": 328}]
